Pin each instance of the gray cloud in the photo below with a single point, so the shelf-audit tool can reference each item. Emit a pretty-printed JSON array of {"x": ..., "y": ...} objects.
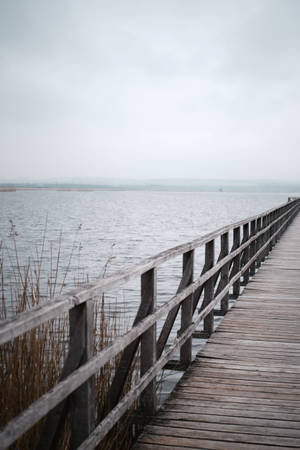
[{"x": 150, "y": 89}]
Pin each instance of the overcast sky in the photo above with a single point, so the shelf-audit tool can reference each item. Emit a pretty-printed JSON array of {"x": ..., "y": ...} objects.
[{"x": 150, "y": 89}]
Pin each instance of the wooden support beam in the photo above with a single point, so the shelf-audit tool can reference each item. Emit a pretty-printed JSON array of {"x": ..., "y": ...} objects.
[
  {"x": 236, "y": 261},
  {"x": 252, "y": 246},
  {"x": 167, "y": 327},
  {"x": 174, "y": 364},
  {"x": 187, "y": 310},
  {"x": 259, "y": 242},
  {"x": 209, "y": 287},
  {"x": 224, "y": 273},
  {"x": 82, "y": 401},
  {"x": 264, "y": 237},
  {"x": 201, "y": 334},
  {"x": 148, "y": 342},
  {"x": 127, "y": 358},
  {"x": 245, "y": 255}
]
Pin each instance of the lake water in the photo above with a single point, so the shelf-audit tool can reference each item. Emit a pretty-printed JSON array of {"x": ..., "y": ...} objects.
[{"x": 128, "y": 225}]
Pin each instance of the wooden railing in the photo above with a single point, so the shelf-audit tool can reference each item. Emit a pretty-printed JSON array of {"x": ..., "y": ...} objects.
[{"x": 197, "y": 297}]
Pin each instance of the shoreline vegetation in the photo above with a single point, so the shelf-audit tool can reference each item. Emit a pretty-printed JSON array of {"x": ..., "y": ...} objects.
[
  {"x": 32, "y": 363},
  {"x": 217, "y": 185}
]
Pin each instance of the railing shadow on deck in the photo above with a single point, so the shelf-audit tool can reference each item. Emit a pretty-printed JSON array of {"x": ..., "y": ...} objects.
[{"x": 197, "y": 297}]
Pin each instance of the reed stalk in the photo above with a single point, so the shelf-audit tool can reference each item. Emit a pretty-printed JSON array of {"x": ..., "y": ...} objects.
[{"x": 31, "y": 364}]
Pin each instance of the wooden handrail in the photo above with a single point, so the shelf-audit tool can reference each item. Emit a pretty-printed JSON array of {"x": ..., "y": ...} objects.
[{"x": 260, "y": 234}]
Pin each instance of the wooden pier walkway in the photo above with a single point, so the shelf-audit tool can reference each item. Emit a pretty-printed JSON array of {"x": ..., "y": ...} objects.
[{"x": 243, "y": 389}]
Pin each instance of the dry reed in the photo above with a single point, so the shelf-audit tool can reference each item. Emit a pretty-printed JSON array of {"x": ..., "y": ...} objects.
[{"x": 32, "y": 363}]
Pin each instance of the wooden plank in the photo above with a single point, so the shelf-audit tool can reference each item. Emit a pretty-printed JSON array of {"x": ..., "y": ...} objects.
[
  {"x": 236, "y": 402},
  {"x": 228, "y": 437},
  {"x": 234, "y": 417},
  {"x": 256, "y": 430},
  {"x": 173, "y": 441}
]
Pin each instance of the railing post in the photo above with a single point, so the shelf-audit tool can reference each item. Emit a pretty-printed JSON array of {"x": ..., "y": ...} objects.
[
  {"x": 278, "y": 223},
  {"x": 82, "y": 407},
  {"x": 209, "y": 287},
  {"x": 270, "y": 219},
  {"x": 264, "y": 238},
  {"x": 273, "y": 228},
  {"x": 224, "y": 272},
  {"x": 148, "y": 342},
  {"x": 245, "y": 255},
  {"x": 236, "y": 261},
  {"x": 252, "y": 246},
  {"x": 187, "y": 310},
  {"x": 259, "y": 242}
]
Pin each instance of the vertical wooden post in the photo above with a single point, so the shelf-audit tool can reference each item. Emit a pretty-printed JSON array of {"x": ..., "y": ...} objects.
[
  {"x": 269, "y": 234},
  {"x": 272, "y": 230},
  {"x": 245, "y": 257},
  {"x": 236, "y": 261},
  {"x": 187, "y": 310},
  {"x": 252, "y": 246},
  {"x": 209, "y": 286},
  {"x": 148, "y": 342},
  {"x": 259, "y": 242},
  {"x": 224, "y": 272},
  {"x": 83, "y": 399},
  {"x": 277, "y": 225},
  {"x": 264, "y": 238}
]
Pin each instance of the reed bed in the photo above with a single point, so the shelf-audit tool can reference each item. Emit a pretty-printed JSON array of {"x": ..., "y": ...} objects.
[{"x": 32, "y": 363}]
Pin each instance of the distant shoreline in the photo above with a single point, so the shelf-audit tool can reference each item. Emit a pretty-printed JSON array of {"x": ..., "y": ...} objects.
[
  {"x": 154, "y": 185},
  {"x": 159, "y": 188},
  {"x": 26, "y": 188}
]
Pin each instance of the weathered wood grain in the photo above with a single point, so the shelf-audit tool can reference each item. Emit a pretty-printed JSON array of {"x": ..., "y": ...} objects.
[
  {"x": 243, "y": 389},
  {"x": 148, "y": 342},
  {"x": 76, "y": 385}
]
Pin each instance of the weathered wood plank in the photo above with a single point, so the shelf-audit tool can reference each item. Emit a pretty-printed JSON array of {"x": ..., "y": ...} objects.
[
  {"x": 225, "y": 401},
  {"x": 228, "y": 436},
  {"x": 199, "y": 443},
  {"x": 196, "y": 425},
  {"x": 218, "y": 415}
]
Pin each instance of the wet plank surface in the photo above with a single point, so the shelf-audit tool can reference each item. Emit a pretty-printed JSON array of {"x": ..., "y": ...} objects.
[{"x": 243, "y": 389}]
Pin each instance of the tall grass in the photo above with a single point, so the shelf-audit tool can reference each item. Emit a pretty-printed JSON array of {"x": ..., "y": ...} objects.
[{"x": 32, "y": 363}]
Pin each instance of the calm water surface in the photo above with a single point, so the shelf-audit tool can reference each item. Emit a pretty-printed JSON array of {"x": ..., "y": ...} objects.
[
  {"x": 137, "y": 223},
  {"x": 128, "y": 225}
]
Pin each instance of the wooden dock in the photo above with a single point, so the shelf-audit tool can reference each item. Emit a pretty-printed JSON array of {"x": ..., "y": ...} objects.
[{"x": 243, "y": 389}]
